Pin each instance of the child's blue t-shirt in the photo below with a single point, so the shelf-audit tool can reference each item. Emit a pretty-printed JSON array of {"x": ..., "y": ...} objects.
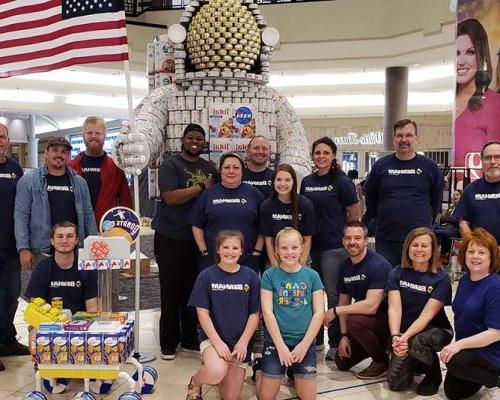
[
  {"x": 229, "y": 297},
  {"x": 477, "y": 307},
  {"x": 292, "y": 301},
  {"x": 416, "y": 288}
]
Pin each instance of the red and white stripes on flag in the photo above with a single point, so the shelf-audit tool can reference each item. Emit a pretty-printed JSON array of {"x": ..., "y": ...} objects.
[{"x": 42, "y": 35}]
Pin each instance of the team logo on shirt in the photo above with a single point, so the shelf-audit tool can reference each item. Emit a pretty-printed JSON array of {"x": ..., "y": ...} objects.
[
  {"x": 354, "y": 278},
  {"x": 58, "y": 284},
  {"x": 415, "y": 287},
  {"x": 220, "y": 287},
  {"x": 91, "y": 169},
  {"x": 8, "y": 176},
  {"x": 328, "y": 188},
  {"x": 258, "y": 183},
  {"x": 217, "y": 202},
  {"x": 59, "y": 188},
  {"x": 409, "y": 171},
  {"x": 487, "y": 196}
]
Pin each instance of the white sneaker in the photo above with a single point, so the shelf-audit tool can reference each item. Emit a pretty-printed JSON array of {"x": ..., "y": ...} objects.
[
  {"x": 488, "y": 394},
  {"x": 167, "y": 356},
  {"x": 330, "y": 354}
]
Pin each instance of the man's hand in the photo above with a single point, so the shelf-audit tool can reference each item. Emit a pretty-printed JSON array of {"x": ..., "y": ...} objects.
[
  {"x": 209, "y": 181},
  {"x": 344, "y": 350},
  {"x": 329, "y": 317},
  {"x": 26, "y": 258}
]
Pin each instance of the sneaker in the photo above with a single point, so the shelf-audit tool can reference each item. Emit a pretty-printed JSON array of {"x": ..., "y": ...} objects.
[
  {"x": 429, "y": 386},
  {"x": 168, "y": 355},
  {"x": 320, "y": 347},
  {"x": 488, "y": 394},
  {"x": 289, "y": 374},
  {"x": 14, "y": 349},
  {"x": 374, "y": 371},
  {"x": 330, "y": 354}
]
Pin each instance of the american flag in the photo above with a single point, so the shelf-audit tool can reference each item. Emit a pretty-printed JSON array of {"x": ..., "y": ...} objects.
[{"x": 42, "y": 35}]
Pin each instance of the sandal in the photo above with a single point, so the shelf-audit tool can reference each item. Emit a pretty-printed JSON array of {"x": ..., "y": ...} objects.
[{"x": 193, "y": 393}]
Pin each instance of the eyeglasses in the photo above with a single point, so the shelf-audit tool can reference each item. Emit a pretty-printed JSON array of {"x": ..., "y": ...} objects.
[{"x": 491, "y": 158}]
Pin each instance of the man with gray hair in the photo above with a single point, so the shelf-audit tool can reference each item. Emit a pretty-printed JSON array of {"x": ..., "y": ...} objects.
[{"x": 10, "y": 270}]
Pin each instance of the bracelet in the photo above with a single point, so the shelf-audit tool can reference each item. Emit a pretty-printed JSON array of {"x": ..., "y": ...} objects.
[
  {"x": 204, "y": 252},
  {"x": 335, "y": 311},
  {"x": 257, "y": 251},
  {"x": 344, "y": 334},
  {"x": 396, "y": 334},
  {"x": 202, "y": 185}
]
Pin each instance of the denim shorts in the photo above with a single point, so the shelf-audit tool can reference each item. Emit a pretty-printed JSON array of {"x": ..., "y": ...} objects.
[{"x": 271, "y": 367}]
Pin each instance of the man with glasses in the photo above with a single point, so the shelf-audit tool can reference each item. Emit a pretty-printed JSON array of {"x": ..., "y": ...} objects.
[
  {"x": 479, "y": 205},
  {"x": 403, "y": 191}
]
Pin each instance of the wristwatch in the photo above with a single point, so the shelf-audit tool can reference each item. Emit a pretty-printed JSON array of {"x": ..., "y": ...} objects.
[
  {"x": 203, "y": 252},
  {"x": 202, "y": 185}
]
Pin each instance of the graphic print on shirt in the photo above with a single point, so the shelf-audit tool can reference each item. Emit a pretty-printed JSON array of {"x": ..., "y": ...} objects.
[
  {"x": 328, "y": 188},
  {"x": 59, "y": 188},
  {"x": 413, "y": 287},
  {"x": 409, "y": 171},
  {"x": 292, "y": 294},
  {"x": 196, "y": 176}
]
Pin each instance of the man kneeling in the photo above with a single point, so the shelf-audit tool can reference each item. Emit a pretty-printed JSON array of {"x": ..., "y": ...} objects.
[
  {"x": 58, "y": 276},
  {"x": 363, "y": 324}
]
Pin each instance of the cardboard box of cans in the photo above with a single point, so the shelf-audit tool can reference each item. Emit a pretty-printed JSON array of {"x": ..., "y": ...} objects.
[{"x": 85, "y": 348}]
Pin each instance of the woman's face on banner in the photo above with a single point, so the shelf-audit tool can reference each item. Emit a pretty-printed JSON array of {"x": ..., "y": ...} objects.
[{"x": 466, "y": 60}]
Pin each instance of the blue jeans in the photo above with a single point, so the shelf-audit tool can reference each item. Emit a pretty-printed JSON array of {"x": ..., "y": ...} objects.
[
  {"x": 10, "y": 289},
  {"x": 327, "y": 264},
  {"x": 390, "y": 249},
  {"x": 272, "y": 368}
]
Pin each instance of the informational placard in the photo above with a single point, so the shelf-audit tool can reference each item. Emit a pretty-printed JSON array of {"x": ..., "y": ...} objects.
[{"x": 120, "y": 221}]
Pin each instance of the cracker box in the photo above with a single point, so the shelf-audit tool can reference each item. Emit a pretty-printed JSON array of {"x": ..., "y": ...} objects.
[
  {"x": 60, "y": 348},
  {"x": 77, "y": 348},
  {"x": 94, "y": 348},
  {"x": 111, "y": 353},
  {"x": 43, "y": 349}
]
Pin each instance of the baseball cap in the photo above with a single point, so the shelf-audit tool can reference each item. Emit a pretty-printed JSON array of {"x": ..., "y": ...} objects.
[
  {"x": 59, "y": 141},
  {"x": 195, "y": 128}
]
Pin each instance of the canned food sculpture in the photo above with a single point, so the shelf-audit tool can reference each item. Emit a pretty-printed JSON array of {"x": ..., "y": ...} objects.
[{"x": 214, "y": 72}]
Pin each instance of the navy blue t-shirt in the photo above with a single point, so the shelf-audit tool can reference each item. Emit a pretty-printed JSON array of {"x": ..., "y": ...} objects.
[
  {"x": 10, "y": 173},
  {"x": 219, "y": 208},
  {"x": 416, "y": 288},
  {"x": 178, "y": 173},
  {"x": 48, "y": 280},
  {"x": 330, "y": 197},
  {"x": 61, "y": 199},
  {"x": 477, "y": 307},
  {"x": 259, "y": 180},
  {"x": 230, "y": 298},
  {"x": 480, "y": 205},
  {"x": 275, "y": 215},
  {"x": 91, "y": 172},
  {"x": 370, "y": 273},
  {"x": 403, "y": 195}
]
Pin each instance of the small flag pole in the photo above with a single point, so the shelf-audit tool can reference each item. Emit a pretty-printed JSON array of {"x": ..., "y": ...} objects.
[{"x": 141, "y": 357}]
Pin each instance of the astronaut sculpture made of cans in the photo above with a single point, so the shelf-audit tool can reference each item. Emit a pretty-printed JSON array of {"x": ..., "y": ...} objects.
[{"x": 221, "y": 53}]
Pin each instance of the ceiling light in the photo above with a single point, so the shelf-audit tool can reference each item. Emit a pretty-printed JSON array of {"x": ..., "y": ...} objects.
[{"x": 101, "y": 101}]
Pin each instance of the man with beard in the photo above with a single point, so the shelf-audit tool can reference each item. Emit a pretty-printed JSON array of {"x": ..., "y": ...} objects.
[
  {"x": 107, "y": 183},
  {"x": 256, "y": 172},
  {"x": 479, "y": 206},
  {"x": 46, "y": 196},
  {"x": 59, "y": 276},
  {"x": 182, "y": 177},
  {"x": 404, "y": 190},
  {"x": 10, "y": 271},
  {"x": 363, "y": 324}
]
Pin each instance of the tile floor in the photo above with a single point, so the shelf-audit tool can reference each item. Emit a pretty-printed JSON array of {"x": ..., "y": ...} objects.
[{"x": 19, "y": 377}]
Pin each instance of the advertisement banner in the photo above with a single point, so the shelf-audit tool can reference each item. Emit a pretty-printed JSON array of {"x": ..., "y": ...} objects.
[
  {"x": 231, "y": 128},
  {"x": 477, "y": 101}
]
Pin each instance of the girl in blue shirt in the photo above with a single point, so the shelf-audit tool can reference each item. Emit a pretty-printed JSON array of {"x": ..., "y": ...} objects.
[
  {"x": 226, "y": 297},
  {"x": 293, "y": 310},
  {"x": 473, "y": 360},
  {"x": 285, "y": 207}
]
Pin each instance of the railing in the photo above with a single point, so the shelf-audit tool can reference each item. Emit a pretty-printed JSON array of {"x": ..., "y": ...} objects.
[{"x": 134, "y": 8}]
